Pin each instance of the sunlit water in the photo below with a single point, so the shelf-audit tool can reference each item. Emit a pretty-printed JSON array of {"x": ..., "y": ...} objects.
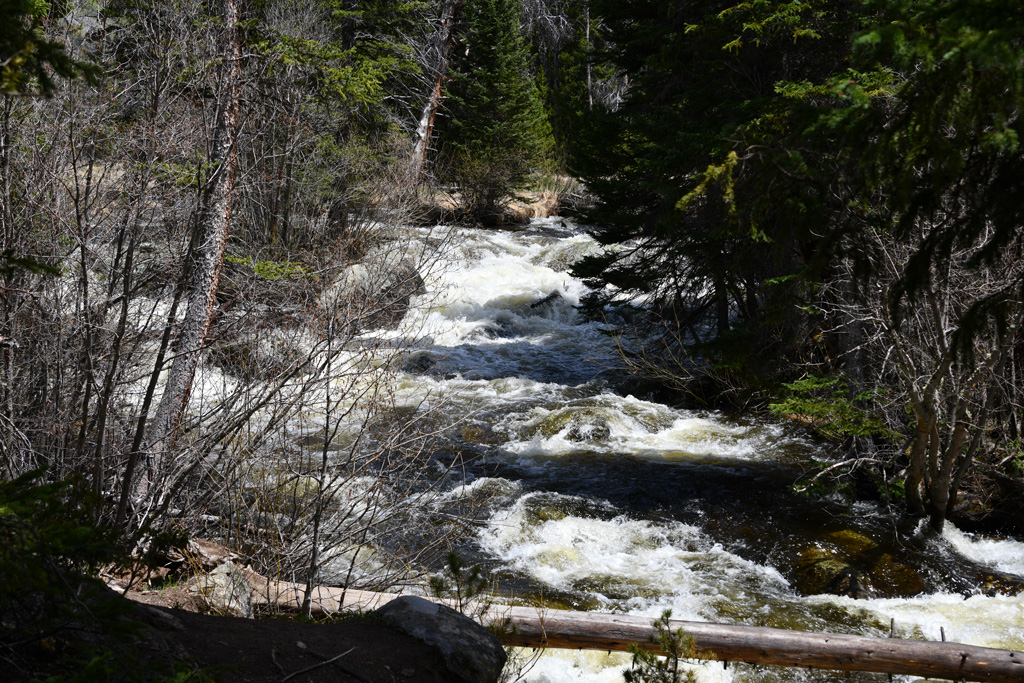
[{"x": 610, "y": 502}]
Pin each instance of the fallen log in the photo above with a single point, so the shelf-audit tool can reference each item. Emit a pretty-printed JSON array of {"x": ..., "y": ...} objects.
[
  {"x": 548, "y": 299},
  {"x": 324, "y": 600},
  {"x": 547, "y": 628},
  {"x": 756, "y": 645}
]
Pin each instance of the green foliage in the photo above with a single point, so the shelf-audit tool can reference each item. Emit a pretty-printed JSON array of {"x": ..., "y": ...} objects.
[
  {"x": 677, "y": 647},
  {"x": 58, "y": 621},
  {"x": 702, "y": 229},
  {"x": 50, "y": 546},
  {"x": 567, "y": 76},
  {"x": 826, "y": 404},
  {"x": 357, "y": 66},
  {"x": 460, "y": 583},
  {"x": 46, "y": 530},
  {"x": 271, "y": 270},
  {"x": 948, "y": 155},
  {"x": 28, "y": 60},
  {"x": 11, "y": 263},
  {"x": 498, "y": 131},
  {"x": 762, "y": 142}
]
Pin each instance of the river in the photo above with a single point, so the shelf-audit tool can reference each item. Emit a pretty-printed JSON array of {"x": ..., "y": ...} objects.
[{"x": 595, "y": 499}]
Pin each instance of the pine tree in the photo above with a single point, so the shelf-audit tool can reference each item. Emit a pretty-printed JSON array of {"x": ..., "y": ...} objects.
[
  {"x": 701, "y": 238},
  {"x": 498, "y": 132},
  {"x": 28, "y": 60},
  {"x": 830, "y": 185}
]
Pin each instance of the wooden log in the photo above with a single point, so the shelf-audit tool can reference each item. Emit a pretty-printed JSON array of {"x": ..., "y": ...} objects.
[
  {"x": 544, "y": 628},
  {"x": 595, "y": 631}
]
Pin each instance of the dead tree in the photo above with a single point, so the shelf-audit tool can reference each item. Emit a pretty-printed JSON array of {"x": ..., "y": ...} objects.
[
  {"x": 206, "y": 262},
  {"x": 444, "y": 42}
]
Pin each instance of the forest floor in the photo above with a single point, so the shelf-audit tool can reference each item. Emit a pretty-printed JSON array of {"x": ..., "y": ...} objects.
[
  {"x": 282, "y": 649},
  {"x": 278, "y": 650}
]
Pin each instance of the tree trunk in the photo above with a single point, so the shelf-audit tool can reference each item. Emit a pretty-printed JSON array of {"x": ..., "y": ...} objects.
[
  {"x": 212, "y": 225},
  {"x": 721, "y": 295},
  {"x": 592, "y": 631},
  {"x": 425, "y": 129}
]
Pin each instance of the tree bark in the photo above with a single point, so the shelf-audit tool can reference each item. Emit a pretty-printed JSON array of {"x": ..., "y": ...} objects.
[
  {"x": 425, "y": 129},
  {"x": 728, "y": 642},
  {"x": 212, "y": 225}
]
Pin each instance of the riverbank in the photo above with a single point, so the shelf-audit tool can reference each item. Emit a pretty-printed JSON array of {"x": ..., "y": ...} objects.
[{"x": 233, "y": 649}]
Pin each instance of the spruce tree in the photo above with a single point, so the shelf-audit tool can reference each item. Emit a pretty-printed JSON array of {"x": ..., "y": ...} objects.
[
  {"x": 668, "y": 169},
  {"x": 824, "y": 188},
  {"x": 498, "y": 131}
]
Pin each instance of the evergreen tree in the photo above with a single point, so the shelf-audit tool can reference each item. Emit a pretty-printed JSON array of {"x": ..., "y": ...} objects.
[
  {"x": 28, "y": 59},
  {"x": 829, "y": 185},
  {"x": 699, "y": 235},
  {"x": 564, "y": 38},
  {"x": 498, "y": 132}
]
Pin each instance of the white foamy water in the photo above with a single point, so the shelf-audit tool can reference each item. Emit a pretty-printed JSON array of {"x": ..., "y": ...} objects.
[
  {"x": 1002, "y": 555},
  {"x": 643, "y": 567},
  {"x": 988, "y": 621},
  {"x": 505, "y": 308},
  {"x": 566, "y": 666},
  {"x": 499, "y": 352},
  {"x": 608, "y": 423},
  {"x": 639, "y": 566}
]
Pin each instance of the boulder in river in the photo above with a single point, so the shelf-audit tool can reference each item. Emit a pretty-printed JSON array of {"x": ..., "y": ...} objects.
[
  {"x": 588, "y": 431},
  {"x": 850, "y": 563},
  {"x": 375, "y": 293},
  {"x": 819, "y": 570}
]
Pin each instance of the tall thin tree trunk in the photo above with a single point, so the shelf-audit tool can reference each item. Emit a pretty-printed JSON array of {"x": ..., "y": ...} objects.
[
  {"x": 425, "y": 129},
  {"x": 721, "y": 301},
  {"x": 214, "y": 217},
  {"x": 590, "y": 83},
  {"x": 6, "y": 210}
]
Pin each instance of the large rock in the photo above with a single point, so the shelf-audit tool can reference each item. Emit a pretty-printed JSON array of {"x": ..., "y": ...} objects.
[
  {"x": 259, "y": 355},
  {"x": 375, "y": 293},
  {"x": 471, "y": 653},
  {"x": 225, "y": 591},
  {"x": 850, "y": 563},
  {"x": 820, "y": 570}
]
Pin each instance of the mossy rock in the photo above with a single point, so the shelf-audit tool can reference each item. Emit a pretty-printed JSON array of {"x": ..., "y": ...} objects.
[
  {"x": 241, "y": 359},
  {"x": 554, "y": 423},
  {"x": 895, "y": 579},
  {"x": 539, "y": 514},
  {"x": 562, "y": 558},
  {"x": 851, "y": 544},
  {"x": 419, "y": 363},
  {"x": 298, "y": 487},
  {"x": 616, "y": 587},
  {"x": 251, "y": 359},
  {"x": 477, "y": 435},
  {"x": 821, "y": 570},
  {"x": 1002, "y": 584},
  {"x": 270, "y": 270},
  {"x": 316, "y": 442},
  {"x": 580, "y": 424},
  {"x": 816, "y": 568}
]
